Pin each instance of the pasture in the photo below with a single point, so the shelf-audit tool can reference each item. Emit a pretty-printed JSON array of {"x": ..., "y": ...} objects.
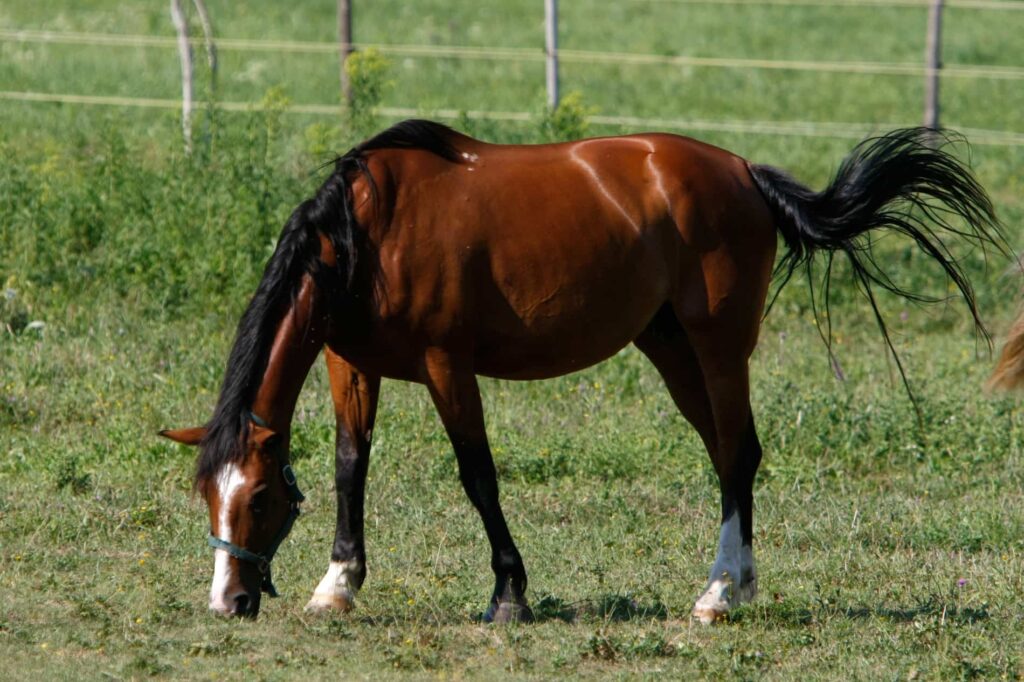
[{"x": 888, "y": 547}]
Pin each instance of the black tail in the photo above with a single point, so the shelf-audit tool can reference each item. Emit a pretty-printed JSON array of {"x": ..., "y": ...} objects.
[{"x": 903, "y": 181}]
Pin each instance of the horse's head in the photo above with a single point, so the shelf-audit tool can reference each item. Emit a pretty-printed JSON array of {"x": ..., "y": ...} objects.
[{"x": 253, "y": 500}]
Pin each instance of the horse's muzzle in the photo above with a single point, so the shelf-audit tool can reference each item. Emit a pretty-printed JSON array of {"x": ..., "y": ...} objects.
[{"x": 240, "y": 605}]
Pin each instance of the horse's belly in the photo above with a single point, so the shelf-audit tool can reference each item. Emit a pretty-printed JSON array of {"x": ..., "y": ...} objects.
[{"x": 564, "y": 333}]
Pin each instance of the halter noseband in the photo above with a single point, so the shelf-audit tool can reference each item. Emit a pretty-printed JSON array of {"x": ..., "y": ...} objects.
[{"x": 262, "y": 561}]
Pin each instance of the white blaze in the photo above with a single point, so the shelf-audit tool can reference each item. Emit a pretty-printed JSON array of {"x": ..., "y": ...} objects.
[{"x": 229, "y": 481}]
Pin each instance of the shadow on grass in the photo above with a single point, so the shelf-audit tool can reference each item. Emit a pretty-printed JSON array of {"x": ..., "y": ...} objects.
[
  {"x": 933, "y": 607},
  {"x": 609, "y": 607},
  {"x": 547, "y": 608},
  {"x": 795, "y": 612}
]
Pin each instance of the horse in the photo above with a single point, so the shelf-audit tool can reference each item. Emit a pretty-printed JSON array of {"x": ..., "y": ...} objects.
[
  {"x": 432, "y": 257},
  {"x": 1008, "y": 373}
]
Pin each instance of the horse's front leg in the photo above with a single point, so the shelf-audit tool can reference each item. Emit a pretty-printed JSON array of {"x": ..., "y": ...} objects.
[
  {"x": 456, "y": 395},
  {"x": 355, "y": 407}
]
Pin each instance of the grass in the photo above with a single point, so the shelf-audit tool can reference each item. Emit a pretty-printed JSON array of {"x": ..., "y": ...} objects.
[{"x": 887, "y": 549}]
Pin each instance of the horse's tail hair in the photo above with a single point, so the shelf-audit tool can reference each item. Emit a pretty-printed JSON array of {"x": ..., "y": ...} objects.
[
  {"x": 904, "y": 181},
  {"x": 1009, "y": 371}
]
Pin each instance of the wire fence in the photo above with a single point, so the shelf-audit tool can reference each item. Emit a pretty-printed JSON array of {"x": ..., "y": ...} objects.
[
  {"x": 517, "y": 53},
  {"x": 977, "y": 136},
  {"x": 795, "y": 128}
]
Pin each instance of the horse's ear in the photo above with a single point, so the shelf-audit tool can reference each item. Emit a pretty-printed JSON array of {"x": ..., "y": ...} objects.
[
  {"x": 190, "y": 436},
  {"x": 266, "y": 439}
]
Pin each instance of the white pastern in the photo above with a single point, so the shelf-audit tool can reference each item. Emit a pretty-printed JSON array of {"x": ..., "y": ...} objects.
[
  {"x": 229, "y": 482},
  {"x": 722, "y": 590},
  {"x": 338, "y": 588}
]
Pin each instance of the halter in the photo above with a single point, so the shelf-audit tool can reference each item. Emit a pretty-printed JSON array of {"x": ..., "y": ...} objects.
[{"x": 262, "y": 561}]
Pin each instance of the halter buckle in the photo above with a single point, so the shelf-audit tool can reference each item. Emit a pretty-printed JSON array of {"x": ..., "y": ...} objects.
[{"x": 289, "y": 475}]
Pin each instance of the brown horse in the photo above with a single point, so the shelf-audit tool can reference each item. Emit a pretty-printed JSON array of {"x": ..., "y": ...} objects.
[{"x": 432, "y": 257}]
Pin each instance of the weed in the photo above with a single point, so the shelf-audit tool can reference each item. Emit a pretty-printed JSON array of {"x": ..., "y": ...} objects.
[
  {"x": 70, "y": 476},
  {"x": 368, "y": 76},
  {"x": 567, "y": 121}
]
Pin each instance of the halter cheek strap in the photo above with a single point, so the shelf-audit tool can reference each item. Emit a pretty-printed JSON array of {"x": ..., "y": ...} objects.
[
  {"x": 262, "y": 561},
  {"x": 258, "y": 420}
]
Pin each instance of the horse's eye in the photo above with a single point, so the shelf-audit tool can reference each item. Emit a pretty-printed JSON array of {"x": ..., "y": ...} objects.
[{"x": 258, "y": 502}]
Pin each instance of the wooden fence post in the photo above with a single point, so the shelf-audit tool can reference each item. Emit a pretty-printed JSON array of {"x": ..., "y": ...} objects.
[
  {"x": 933, "y": 65},
  {"x": 551, "y": 49},
  {"x": 345, "y": 45},
  {"x": 211, "y": 47},
  {"x": 185, "y": 55}
]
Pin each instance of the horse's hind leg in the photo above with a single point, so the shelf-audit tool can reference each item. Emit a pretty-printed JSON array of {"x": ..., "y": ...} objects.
[
  {"x": 355, "y": 407},
  {"x": 709, "y": 384},
  {"x": 456, "y": 395}
]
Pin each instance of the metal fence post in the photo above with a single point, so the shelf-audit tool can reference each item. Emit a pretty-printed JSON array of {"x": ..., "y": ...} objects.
[
  {"x": 551, "y": 49},
  {"x": 933, "y": 65}
]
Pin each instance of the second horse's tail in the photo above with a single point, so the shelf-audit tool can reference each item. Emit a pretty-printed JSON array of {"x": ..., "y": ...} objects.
[{"x": 1009, "y": 371}]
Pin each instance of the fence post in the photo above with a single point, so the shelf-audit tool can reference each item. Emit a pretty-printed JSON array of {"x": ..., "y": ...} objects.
[
  {"x": 551, "y": 49},
  {"x": 345, "y": 45},
  {"x": 185, "y": 55},
  {"x": 211, "y": 46},
  {"x": 933, "y": 65}
]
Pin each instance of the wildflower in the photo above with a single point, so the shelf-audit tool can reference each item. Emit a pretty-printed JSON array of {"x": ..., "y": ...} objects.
[{"x": 961, "y": 582}]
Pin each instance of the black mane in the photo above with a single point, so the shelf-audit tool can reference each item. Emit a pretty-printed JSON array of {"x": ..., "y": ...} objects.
[
  {"x": 329, "y": 212},
  {"x": 412, "y": 134}
]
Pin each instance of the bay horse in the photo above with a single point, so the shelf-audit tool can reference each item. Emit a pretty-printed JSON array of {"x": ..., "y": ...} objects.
[{"x": 432, "y": 257}]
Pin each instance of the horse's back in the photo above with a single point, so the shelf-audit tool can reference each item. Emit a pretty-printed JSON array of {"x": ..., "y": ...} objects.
[{"x": 544, "y": 259}]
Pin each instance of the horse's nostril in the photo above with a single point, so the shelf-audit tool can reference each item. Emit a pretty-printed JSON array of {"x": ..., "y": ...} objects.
[{"x": 242, "y": 605}]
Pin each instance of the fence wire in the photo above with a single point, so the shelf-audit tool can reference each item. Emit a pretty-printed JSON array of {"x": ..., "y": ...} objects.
[
  {"x": 520, "y": 54},
  {"x": 784, "y": 128}
]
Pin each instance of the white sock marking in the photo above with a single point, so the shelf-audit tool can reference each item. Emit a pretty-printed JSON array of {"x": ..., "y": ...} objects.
[
  {"x": 726, "y": 573},
  {"x": 339, "y": 586}
]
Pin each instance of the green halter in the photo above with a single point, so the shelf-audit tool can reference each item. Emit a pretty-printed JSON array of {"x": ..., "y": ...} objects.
[{"x": 262, "y": 561}]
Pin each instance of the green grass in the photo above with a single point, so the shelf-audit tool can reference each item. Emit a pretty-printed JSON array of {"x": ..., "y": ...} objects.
[{"x": 139, "y": 261}]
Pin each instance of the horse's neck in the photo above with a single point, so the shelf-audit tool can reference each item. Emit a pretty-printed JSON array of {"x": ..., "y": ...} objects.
[{"x": 300, "y": 336}]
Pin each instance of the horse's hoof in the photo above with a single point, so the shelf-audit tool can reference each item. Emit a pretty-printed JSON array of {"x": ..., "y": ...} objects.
[
  {"x": 508, "y": 612},
  {"x": 326, "y": 603},
  {"x": 716, "y": 601},
  {"x": 708, "y": 615}
]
